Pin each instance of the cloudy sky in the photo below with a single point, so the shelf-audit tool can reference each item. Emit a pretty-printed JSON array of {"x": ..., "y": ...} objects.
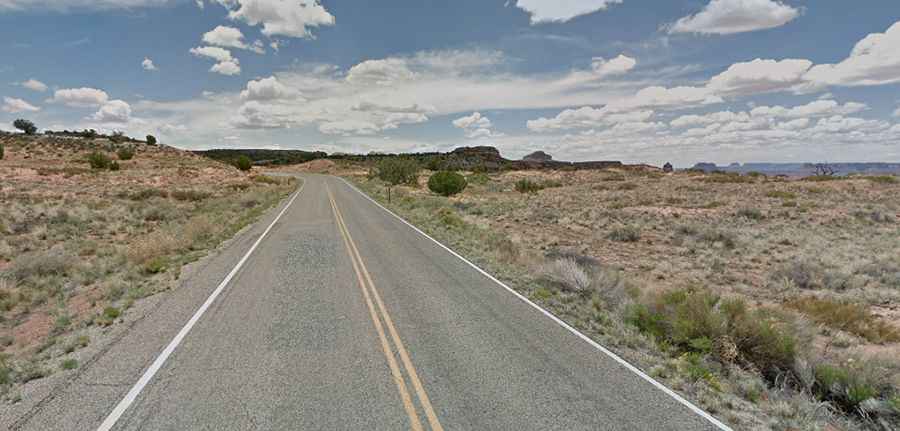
[{"x": 632, "y": 80}]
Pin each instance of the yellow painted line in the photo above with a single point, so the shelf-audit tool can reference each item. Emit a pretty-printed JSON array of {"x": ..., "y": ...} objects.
[
  {"x": 385, "y": 346},
  {"x": 401, "y": 349}
]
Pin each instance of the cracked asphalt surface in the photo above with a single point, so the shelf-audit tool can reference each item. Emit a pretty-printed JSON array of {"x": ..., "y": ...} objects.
[{"x": 291, "y": 343}]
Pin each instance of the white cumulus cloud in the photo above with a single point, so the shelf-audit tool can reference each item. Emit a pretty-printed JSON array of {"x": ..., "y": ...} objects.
[
  {"x": 114, "y": 111},
  {"x": 228, "y": 68},
  {"x": 230, "y": 37},
  {"x": 615, "y": 66},
  {"x": 291, "y": 18},
  {"x": 380, "y": 72},
  {"x": 736, "y": 16},
  {"x": 759, "y": 76},
  {"x": 268, "y": 89},
  {"x": 475, "y": 126},
  {"x": 147, "y": 64},
  {"x": 14, "y": 105},
  {"x": 80, "y": 97},
  {"x": 34, "y": 85},
  {"x": 543, "y": 11},
  {"x": 875, "y": 60},
  {"x": 226, "y": 64}
]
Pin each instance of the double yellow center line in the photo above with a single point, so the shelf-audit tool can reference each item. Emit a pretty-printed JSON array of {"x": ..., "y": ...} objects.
[{"x": 370, "y": 292}]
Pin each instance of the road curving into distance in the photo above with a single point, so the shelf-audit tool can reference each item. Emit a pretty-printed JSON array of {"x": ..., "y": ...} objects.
[{"x": 333, "y": 314}]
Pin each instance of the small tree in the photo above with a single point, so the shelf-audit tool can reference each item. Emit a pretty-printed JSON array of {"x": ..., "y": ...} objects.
[
  {"x": 242, "y": 162},
  {"x": 397, "y": 170},
  {"x": 446, "y": 183},
  {"x": 26, "y": 126},
  {"x": 151, "y": 140}
]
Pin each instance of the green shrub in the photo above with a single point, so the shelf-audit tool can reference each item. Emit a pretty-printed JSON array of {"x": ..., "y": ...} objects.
[
  {"x": 242, "y": 162},
  {"x": 397, "y": 170},
  {"x": 446, "y": 183},
  {"x": 625, "y": 234},
  {"x": 846, "y": 388},
  {"x": 527, "y": 186},
  {"x": 111, "y": 313},
  {"x": 155, "y": 265},
  {"x": 695, "y": 320},
  {"x": 69, "y": 364},
  {"x": 151, "y": 140},
  {"x": 114, "y": 165},
  {"x": 1, "y": 152},
  {"x": 99, "y": 160},
  {"x": 125, "y": 153}
]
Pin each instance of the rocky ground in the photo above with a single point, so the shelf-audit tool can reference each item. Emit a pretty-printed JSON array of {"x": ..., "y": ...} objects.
[{"x": 81, "y": 246}]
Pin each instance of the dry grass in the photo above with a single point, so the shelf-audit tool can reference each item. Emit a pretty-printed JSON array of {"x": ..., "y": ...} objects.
[
  {"x": 79, "y": 246},
  {"x": 847, "y": 316},
  {"x": 762, "y": 245}
]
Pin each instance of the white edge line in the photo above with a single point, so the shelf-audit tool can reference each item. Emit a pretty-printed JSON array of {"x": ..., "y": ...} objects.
[
  {"x": 132, "y": 395},
  {"x": 559, "y": 321}
]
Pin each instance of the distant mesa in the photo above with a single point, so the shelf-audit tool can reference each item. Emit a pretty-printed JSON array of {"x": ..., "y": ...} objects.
[
  {"x": 485, "y": 151},
  {"x": 538, "y": 156}
]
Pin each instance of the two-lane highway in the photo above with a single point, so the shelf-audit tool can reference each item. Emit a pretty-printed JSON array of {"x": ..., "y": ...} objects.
[{"x": 344, "y": 317}]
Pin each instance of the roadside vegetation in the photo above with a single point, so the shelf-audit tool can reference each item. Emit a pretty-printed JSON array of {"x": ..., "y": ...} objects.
[
  {"x": 773, "y": 303},
  {"x": 84, "y": 237}
]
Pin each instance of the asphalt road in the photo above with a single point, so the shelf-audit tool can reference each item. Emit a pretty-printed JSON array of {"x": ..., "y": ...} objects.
[{"x": 346, "y": 318}]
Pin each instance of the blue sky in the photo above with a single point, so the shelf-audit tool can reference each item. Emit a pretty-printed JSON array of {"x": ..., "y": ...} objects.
[{"x": 634, "y": 80}]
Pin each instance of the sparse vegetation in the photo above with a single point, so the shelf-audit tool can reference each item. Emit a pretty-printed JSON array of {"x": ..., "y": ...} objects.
[
  {"x": 764, "y": 310},
  {"x": 527, "y": 186},
  {"x": 151, "y": 140},
  {"x": 446, "y": 183},
  {"x": 846, "y": 316},
  {"x": 883, "y": 179},
  {"x": 625, "y": 234},
  {"x": 79, "y": 249}
]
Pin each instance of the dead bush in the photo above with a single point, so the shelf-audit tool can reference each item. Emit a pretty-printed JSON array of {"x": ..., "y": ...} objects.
[{"x": 567, "y": 274}]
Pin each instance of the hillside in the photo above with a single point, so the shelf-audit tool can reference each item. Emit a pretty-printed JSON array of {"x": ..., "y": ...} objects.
[{"x": 82, "y": 246}]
